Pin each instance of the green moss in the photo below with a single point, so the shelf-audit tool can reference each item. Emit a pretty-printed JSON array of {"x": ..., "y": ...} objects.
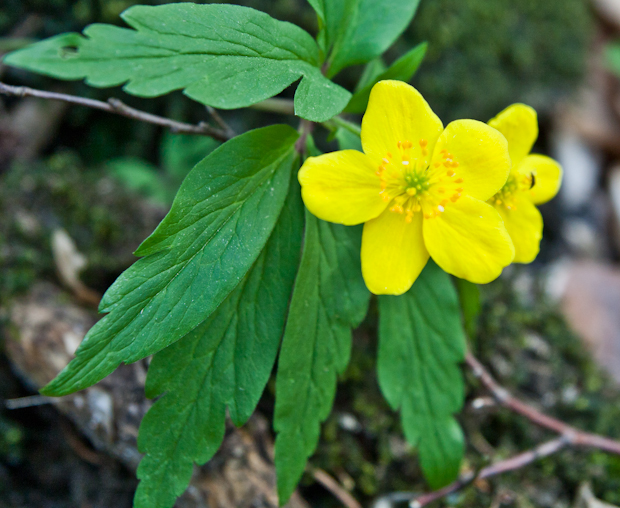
[
  {"x": 105, "y": 221},
  {"x": 528, "y": 347}
]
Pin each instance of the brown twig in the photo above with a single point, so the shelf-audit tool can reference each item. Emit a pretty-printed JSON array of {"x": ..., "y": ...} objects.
[
  {"x": 305, "y": 129},
  {"x": 503, "y": 466},
  {"x": 29, "y": 401},
  {"x": 120, "y": 108},
  {"x": 575, "y": 436},
  {"x": 335, "y": 488},
  {"x": 569, "y": 436},
  {"x": 221, "y": 122}
]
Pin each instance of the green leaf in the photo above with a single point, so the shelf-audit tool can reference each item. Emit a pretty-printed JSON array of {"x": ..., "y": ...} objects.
[
  {"x": 421, "y": 343},
  {"x": 346, "y": 133},
  {"x": 612, "y": 57},
  {"x": 372, "y": 71},
  {"x": 329, "y": 299},
  {"x": 319, "y": 7},
  {"x": 220, "y": 220},
  {"x": 321, "y": 38},
  {"x": 226, "y": 56},
  {"x": 348, "y": 140},
  {"x": 224, "y": 363},
  {"x": 469, "y": 296},
  {"x": 360, "y": 30},
  {"x": 402, "y": 69}
]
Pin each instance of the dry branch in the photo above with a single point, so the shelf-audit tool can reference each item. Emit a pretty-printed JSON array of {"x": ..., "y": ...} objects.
[{"x": 120, "y": 108}]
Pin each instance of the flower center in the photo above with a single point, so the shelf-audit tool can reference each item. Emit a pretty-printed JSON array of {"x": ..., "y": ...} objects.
[
  {"x": 509, "y": 195},
  {"x": 411, "y": 185}
]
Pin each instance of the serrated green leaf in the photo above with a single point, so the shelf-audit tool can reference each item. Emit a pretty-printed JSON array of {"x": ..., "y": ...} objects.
[
  {"x": 329, "y": 299},
  {"x": 226, "y": 56},
  {"x": 360, "y": 30},
  {"x": 421, "y": 343},
  {"x": 402, "y": 69},
  {"x": 220, "y": 220},
  {"x": 224, "y": 363}
]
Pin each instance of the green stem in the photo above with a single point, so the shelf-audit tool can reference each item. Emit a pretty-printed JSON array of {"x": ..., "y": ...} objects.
[
  {"x": 274, "y": 105},
  {"x": 344, "y": 124}
]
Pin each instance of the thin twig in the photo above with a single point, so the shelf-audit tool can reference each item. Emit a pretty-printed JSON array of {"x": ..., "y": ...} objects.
[
  {"x": 575, "y": 436},
  {"x": 335, "y": 488},
  {"x": 305, "y": 129},
  {"x": 120, "y": 108},
  {"x": 349, "y": 126},
  {"x": 221, "y": 122},
  {"x": 569, "y": 436},
  {"x": 29, "y": 401},
  {"x": 502, "y": 466}
]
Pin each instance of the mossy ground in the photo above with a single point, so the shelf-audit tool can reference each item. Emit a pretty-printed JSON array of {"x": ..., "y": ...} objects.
[
  {"x": 528, "y": 347},
  {"x": 105, "y": 221}
]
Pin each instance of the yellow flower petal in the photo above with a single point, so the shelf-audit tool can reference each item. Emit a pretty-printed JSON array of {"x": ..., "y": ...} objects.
[
  {"x": 547, "y": 177},
  {"x": 341, "y": 187},
  {"x": 519, "y": 124},
  {"x": 397, "y": 112},
  {"x": 524, "y": 225},
  {"x": 469, "y": 240},
  {"x": 479, "y": 156},
  {"x": 393, "y": 253}
]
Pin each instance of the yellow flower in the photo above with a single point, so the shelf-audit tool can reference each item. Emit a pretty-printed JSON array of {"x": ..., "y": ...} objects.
[
  {"x": 420, "y": 189},
  {"x": 533, "y": 180}
]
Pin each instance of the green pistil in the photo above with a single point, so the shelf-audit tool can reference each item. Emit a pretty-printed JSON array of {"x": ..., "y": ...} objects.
[{"x": 417, "y": 182}]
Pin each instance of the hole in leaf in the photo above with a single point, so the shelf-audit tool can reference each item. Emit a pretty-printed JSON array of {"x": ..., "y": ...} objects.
[{"x": 68, "y": 51}]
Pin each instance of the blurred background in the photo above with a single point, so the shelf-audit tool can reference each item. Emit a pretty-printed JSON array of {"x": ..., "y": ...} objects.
[{"x": 80, "y": 189}]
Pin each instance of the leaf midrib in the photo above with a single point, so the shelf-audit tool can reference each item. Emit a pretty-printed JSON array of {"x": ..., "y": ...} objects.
[
  {"x": 114, "y": 353},
  {"x": 91, "y": 40},
  {"x": 208, "y": 369}
]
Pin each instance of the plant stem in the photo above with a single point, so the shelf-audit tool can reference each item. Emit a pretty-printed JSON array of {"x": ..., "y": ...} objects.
[
  {"x": 503, "y": 466},
  {"x": 335, "y": 488},
  {"x": 305, "y": 129},
  {"x": 275, "y": 105},
  {"x": 120, "y": 108},
  {"x": 344, "y": 124},
  {"x": 221, "y": 122},
  {"x": 575, "y": 436}
]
